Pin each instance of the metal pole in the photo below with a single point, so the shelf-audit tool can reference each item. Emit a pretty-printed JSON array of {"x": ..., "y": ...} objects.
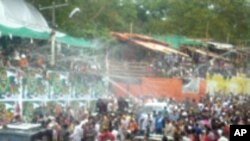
[
  {"x": 53, "y": 36},
  {"x": 53, "y": 15},
  {"x": 107, "y": 63},
  {"x": 53, "y": 40},
  {"x": 207, "y": 30},
  {"x": 131, "y": 28}
]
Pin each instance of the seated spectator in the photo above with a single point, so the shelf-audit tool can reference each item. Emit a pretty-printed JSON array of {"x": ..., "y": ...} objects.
[{"x": 23, "y": 62}]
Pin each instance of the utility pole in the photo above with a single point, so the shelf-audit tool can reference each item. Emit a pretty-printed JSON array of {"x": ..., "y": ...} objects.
[
  {"x": 53, "y": 8},
  {"x": 207, "y": 30},
  {"x": 131, "y": 28}
]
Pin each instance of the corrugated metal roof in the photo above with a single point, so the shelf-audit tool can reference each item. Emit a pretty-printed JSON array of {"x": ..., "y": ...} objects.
[{"x": 147, "y": 42}]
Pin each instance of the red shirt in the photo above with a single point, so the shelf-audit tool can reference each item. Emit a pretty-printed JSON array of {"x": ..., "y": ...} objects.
[
  {"x": 226, "y": 130},
  {"x": 105, "y": 136},
  {"x": 206, "y": 138}
]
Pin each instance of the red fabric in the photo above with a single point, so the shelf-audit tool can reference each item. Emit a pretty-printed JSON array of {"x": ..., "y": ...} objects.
[
  {"x": 106, "y": 136},
  {"x": 207, "y": 138},
  {"x": 132, "y": 126},
  {"x": 226, "y": 130}
]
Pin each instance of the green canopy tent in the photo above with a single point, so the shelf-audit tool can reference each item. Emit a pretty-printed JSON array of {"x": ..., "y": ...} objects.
[
  {"x": 28, "y": 33},
  {"x": 23, "y": 32},
  {"x": 78, "y": 42},
  {"x": 178, "y": 41},
  {"x": 19, "y": 18}
]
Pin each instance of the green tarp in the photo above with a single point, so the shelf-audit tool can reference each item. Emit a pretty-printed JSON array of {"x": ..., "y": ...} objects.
[
  {"x": 178, "y": 41},
  {"x": 19, "y": 18},
  {"x": 28, "y": 33},
  {"x": 78, "y": 42},
  {"x": 23, "y": 32}
]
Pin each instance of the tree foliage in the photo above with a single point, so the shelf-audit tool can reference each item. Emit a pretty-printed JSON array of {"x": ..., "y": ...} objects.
[{"x": 222, "y": 20}]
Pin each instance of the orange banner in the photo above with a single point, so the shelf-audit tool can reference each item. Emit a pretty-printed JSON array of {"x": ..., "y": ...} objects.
[{"x": 158, "y": 88}]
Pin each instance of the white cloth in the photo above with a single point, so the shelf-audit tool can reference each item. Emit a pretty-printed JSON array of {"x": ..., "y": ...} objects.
[
  {"x": 109, "y": 107},
  {"x": 115, "y": 133},
  {"x": 144, "y": 124},
  {"x": 185, "y": 138},
  {"x": 11, "y": 74},
  {"x": 222, "y": 138},
  {"x": 77, "y": 134}
]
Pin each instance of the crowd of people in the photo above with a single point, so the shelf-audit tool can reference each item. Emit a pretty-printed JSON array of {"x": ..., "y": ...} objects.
[
  {"x": 28, "y": 68},
  {"x": 117, "y": 119},
  {"x": 172, "y": 65}
]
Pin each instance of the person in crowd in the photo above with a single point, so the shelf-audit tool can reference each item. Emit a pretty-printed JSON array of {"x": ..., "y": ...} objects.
[
  {"x": 132, "y": 127},
  {"x": 169, "y": 128},
  {"x": 89, "y": 132},
  {"x": 23, "y": 63},
  {"x": 159, "y": 123},
  {"x": 65, "y": 133},
  {"x": 106, "y": 135},
  {"x": 78, "y": 132}
]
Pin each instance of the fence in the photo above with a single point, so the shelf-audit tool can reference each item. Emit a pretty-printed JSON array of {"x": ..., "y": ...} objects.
[{"x": 34, "y": 84}]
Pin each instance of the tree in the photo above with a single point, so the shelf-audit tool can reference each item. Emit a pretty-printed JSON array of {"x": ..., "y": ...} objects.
[
  {"x": 219, "y": 18},
  {"x": 225, "y": 20}
]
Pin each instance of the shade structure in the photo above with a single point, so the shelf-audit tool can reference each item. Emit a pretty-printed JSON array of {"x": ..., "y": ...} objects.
[
  {"x": 178, "y": 41},
  {"x": 19, "y": 18},
  {"x": 77, "y": 42},
  {"x": 147, "y": 42},
  {"x": 18, "y": 14}
]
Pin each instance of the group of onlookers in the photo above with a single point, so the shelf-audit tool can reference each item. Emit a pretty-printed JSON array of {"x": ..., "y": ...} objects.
[
  {"x": 117, "y": 119},
  {"x": 172, "y": 65}
]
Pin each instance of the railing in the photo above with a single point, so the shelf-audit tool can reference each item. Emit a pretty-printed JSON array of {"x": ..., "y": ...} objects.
[
  {"x": 31, "y": 85},
  {"x": 130, "y": 69}
]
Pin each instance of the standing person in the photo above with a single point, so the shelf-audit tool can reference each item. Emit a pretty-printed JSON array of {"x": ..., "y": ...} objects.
[
  {"x": 159, "y": 123},
  {"x": 90, "y": 132},
  {"x": 106, "y": 135},
  {"x": 132, "y": 127},
  {"x": 149, "y": 125},
  {"x": 142, "y": 126},
  {"x": 65, "y": 132},
  {"x": 169, "y": 129},
  {"x": 110, "y": 107},
  {"x": 123, "y": 127},
  {"x": 77, "y": 134},
  {"x": 165, "y": 112},
  {"x": 222, "y": 136}
]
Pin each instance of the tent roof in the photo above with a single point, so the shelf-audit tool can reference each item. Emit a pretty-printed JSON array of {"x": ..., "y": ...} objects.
[
  {"x": 19, "y": 18},
  {"x": 178, "y": 41},
  {"x": 206, "y": 53},
  {"x": 147, "y": 42},
  {"x": 19, "y": 14},
  {"x": 78, "y": 42},
  {"x": 220, "y": 45}
]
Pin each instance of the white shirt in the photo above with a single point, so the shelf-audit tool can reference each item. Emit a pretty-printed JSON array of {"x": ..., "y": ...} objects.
[
  {"x": 109, "y": 107},
  {"x": 115, "y": 133},
  {"x": 185, "y": 138},
  {"x": 222, "y": 138},
  {"x": 77, "y": 134}
]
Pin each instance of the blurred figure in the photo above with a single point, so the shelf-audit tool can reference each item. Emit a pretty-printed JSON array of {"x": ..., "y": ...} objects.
[
  {"x": 77, "y": 134},
  {"x": 106, "y": 135}
]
